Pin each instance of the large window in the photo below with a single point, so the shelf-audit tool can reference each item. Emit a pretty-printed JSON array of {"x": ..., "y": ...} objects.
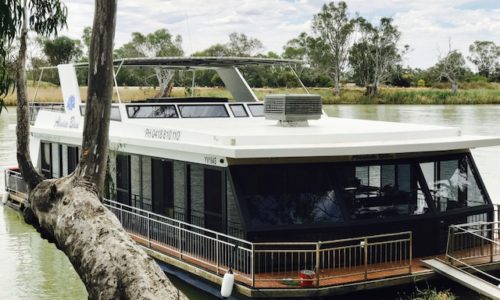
[
  {"x": 163, "y": 187},
  {"x": 287, "y": 194},
  {"x": 213, "y": 191},
  {"x": 380, "y": 191},
  {"x": 123, "y": 178},
  {"x": 453, "y": 183},
  {"x": 316, "y": 193}
]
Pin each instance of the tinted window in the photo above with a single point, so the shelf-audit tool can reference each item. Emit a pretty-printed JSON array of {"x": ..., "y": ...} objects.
[
  {"x": 203, "y": 111},
  {"x": 239, "y": 110},
  {"x": 114, "y": 115},
  {"x": 380, "y": 191},
  {"x": 282, "y": 195},
  {"x": 213, "y": 199},
  {"x": 257, "y": 110},
  {"x": 151, "y": 111},
  {"x": 453, "y": 183}
]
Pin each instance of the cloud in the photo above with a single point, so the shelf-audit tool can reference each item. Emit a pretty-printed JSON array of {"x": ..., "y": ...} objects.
[{"x": 426, "y": 25}]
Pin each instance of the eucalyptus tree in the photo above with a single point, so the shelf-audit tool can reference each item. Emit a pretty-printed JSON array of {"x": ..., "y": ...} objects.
[
  {"x": 156, "y": 44},
  {"x": 452, "y": 67},
  {"x": 68, "y": 211},
  {"x": 485, "y": 55},
  {"x": 62, "y": 50},
  {"x": 375, "y": 53},
  {"x": 334, "y": 30}
]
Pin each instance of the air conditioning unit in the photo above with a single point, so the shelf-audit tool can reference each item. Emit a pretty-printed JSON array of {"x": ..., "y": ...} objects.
[{"x": 292, "y": 108}]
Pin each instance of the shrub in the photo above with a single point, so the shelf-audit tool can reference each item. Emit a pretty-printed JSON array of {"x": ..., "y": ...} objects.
[{"x": 421, "y": 83}]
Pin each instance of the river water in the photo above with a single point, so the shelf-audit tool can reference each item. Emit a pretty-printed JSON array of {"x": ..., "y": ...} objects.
[{"x": 31, "y": 268}]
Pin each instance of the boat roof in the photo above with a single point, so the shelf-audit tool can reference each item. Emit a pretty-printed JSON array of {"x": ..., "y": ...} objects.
[
  {"x": 258, "y": 138},
  {"x": 202, "y": 62}
]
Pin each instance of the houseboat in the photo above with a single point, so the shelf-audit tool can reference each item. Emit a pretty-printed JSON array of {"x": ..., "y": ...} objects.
[{"x": 296, "y": 203}]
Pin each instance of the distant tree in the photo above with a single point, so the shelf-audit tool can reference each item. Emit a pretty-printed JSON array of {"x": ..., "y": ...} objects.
[
  {"x": 86, "y": 38},
  {"x": 242, "y": 45},
  {"x": 452, "y": 67},
  {"x": 62, "y": 50},
  {"x": 217, "y": 50},
  {"x": 485, "y": 56},
  {"x": 160, "y": 43},
  {"x": 297, "y": 48},
  {"x": 334, "y": 30},
  {"x": 376, "y": 52}
]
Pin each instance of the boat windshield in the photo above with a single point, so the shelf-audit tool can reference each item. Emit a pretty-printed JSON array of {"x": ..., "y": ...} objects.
[{"x": 295, "y": 194}]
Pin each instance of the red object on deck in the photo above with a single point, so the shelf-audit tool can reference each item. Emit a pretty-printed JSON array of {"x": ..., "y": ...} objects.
[{"x": 307, "y": 278}]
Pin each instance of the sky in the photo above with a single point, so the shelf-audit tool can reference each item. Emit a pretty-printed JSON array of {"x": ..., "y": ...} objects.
[{"x": 427, "y": 26}]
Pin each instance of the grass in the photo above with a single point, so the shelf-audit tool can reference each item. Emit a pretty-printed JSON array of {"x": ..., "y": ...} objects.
[
  {"x": 433, "y": 294},
  {"x": 489, "y": 94}
]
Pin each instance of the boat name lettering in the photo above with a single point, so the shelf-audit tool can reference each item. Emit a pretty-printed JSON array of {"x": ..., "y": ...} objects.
[
  {"x": 211, "y": 160},
  {"x": 162, "y": 134},
  {"x": 66, "y": 123}
]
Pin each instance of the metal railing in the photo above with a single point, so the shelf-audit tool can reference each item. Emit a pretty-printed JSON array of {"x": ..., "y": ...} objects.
[
  {"x": 328, "y": 260},
  {"x": 254, "y": 263},
  {"x": 14, "y": 182},
  {"x": 473, "y": 243},
  {"x": 212, "y": 250},
  {"x": 35, "y": 107}
]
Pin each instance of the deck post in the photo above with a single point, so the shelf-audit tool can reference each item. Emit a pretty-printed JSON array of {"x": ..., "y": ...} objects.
[
  {"x": 149, "y": 235},
  {"x": 318, "y": 245},
  {"x": 217, "y": 251},
  {"x": 411, "y": 251},
  {"x": 366, "y": 257},
  {"x": 179, "y": 246},
  {"x": 252, "y": 265},
  {"x": 492, "y": 244},
  {"x": 121, "y": 214}
]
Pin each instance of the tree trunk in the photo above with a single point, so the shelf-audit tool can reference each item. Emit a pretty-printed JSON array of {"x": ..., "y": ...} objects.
[
  {"x": 454, "y": 86},
  {"x": 68, "y": 211},
  {"x": 371, "y": 90},
  {"x": 109, "y": 262},
  {"x": 337, "y": 85},
  {"x": 31, "y": 176}
]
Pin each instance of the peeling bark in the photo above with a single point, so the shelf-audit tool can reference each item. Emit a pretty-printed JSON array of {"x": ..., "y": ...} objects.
[
  {"x": 109, "y": 262},
  {"x": 68, "y": 211}
]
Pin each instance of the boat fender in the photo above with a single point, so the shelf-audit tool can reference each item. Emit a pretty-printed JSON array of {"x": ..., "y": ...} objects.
[{"x": 227, "y": 284}]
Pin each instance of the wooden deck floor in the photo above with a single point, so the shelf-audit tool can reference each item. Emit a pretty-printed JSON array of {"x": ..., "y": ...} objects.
[{"x": 328, "y": 277}]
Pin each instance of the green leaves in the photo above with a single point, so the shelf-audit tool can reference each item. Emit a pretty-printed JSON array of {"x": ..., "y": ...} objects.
[{"x": 44, "y": 17}]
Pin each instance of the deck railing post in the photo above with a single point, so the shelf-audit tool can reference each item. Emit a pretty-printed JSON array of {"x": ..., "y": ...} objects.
[
  {"x": 252, "y": 265},
  {"x": 411, "y": 251},
  {"x": 318, "y": 245},
  {"x": 492, "y": 245},
  {"x": 366, "y": 257},
  {"x": 180, "y": 241},
  {"x": 217, "y": 251},
  {"x": 149, "y": 235}
]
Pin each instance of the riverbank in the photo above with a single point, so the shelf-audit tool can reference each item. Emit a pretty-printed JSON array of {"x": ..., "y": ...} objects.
[{"x": 489, "y": 94}]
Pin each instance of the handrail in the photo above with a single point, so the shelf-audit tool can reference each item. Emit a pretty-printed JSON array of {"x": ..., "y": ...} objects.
[{"x": 258, "y": 263}]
